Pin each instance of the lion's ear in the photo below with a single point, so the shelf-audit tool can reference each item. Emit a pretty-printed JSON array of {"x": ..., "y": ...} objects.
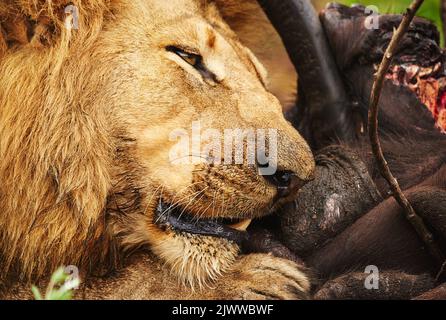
[
  {"x": 15, "y": 32},
  {"x": 41, "y": 22},
  {"x": 19, "y": 31},
  {"x": 22, "y": 24}
]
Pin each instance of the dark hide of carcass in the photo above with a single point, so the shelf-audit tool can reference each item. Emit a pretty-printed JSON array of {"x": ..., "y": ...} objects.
[
  {"x": 393, "y": 285},
  {"x": 345, "y": 220},
  {"x": 438, "y": 293}
]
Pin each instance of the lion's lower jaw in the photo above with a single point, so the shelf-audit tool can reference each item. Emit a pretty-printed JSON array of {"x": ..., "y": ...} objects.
[{"x": 197, "y": 261}]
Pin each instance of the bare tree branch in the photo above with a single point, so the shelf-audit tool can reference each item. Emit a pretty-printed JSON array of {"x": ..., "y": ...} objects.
[{"x": 418, "y": 224}]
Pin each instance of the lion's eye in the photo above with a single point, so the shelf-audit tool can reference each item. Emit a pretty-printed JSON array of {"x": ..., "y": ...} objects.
[{"x": 194, "y": 60}]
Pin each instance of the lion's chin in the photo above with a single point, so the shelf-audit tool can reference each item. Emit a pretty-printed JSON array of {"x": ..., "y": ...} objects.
[{"x": 176, "y": 219}]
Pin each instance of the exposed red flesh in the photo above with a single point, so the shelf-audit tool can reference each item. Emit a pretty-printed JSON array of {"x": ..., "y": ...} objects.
[{"x": 430, "y": 90}]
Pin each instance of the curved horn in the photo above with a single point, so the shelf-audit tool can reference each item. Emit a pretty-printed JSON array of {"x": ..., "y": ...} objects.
[{"x": 324, "y": 111}]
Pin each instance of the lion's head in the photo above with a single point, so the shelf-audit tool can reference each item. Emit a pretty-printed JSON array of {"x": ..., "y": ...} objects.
[{"x": 88, "y": 123}]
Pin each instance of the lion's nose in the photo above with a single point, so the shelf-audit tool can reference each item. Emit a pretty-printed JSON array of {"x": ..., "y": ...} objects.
[{"x": 286, "y": 182}]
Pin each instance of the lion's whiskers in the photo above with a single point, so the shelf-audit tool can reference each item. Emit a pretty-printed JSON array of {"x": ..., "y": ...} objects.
[{"x": 191, "y": 200}]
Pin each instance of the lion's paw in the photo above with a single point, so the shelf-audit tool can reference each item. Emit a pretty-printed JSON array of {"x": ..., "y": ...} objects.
[{"x": 264, "y": 277}]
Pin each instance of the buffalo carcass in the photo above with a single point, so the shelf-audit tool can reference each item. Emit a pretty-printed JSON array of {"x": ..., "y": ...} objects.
[{"x": 345, "y": 220}]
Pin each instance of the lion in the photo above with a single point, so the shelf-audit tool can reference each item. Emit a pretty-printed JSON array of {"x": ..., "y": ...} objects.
[{"x": 88, "y": 102}]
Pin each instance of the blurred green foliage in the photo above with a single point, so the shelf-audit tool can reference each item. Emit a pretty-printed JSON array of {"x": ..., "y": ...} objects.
[
  {"x": 430, "y": 8},
  {"x": 60, "y": 287}
]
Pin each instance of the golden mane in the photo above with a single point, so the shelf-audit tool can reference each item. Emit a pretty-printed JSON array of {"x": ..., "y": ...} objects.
[{"x": 44, "y": 133}]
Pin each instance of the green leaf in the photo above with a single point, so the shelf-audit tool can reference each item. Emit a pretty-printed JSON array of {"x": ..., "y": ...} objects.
[
  {"x": 60, "y": 287},
  {"x": 59, "y": 295},
  {"x": 59, "y": 276},
  {"x": 36, "y": 293}
]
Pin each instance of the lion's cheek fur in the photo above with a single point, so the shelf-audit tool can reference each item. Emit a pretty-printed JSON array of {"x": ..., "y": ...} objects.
[{"x": 195, "y": 260}]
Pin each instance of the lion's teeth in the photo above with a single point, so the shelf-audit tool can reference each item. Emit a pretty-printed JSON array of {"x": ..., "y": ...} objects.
[{"x": 242, "y": 225}]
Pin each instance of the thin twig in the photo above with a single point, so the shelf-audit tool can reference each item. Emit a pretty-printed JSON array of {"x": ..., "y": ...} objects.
[
  {"x": 418, "y": 224},
  {"x": 441, "y": 272}
]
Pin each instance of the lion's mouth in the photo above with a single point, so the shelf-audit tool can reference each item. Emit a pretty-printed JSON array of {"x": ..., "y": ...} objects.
[{"x": 179, "y": 220}]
